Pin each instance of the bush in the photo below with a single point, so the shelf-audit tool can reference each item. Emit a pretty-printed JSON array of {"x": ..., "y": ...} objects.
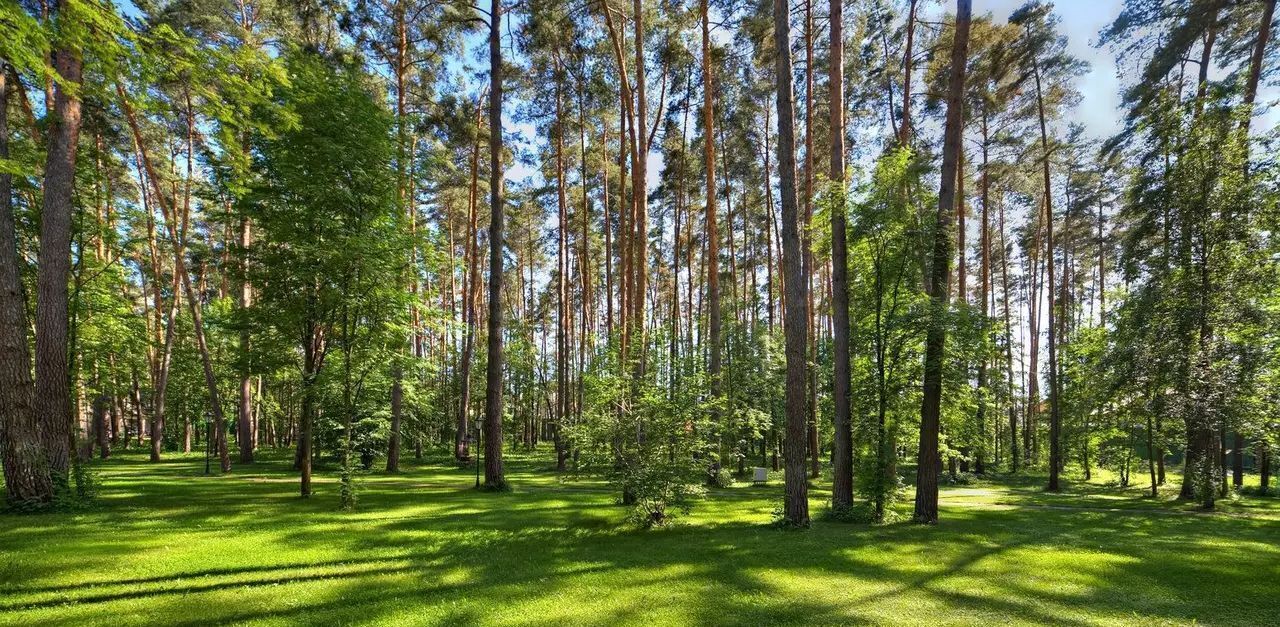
[
  {"x": 718, "y": 477},
  {"x": 659, "y": 496}
]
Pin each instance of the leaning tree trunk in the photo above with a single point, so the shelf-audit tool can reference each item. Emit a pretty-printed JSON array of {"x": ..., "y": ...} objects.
[
  {"x": 796, "y": 321},
  {"x": 172, "y": 219},
  {"x": 926, "y": 505}
]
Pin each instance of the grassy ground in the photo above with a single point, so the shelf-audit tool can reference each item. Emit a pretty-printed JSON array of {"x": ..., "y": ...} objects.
[{"x": 165, "y": 545}]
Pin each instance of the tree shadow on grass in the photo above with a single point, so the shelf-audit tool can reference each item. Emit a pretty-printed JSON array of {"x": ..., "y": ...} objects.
[{"x": 445, "y": 553}]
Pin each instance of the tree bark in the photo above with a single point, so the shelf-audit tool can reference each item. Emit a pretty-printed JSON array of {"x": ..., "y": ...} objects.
[
  {"x": 796, "y": 322},
  {"x": 311, "y": 362},
  {"x": 984, "y": 272},
  {"x": 1014, "y": 445},
  {"x": 904, "y": 131},
  {"x": 1055, "y": 416},
  {"x": 245, "y": 414},
  {"x": 639, "y": 192},
  {"x": 807, "y": 244},
  {"x": 842, "y": 454},
  {"x": 926, "y": 503},
  {"x": 53, "y": 376},
  {"x": 712, "y": 234},
  {"x": 180, "y": 270},
  {"x": 25, "y": 459},
  {"x": 493, "y": 474},
  {"x": 562, "y": 272},
  {"x": 471, "y": 291}
]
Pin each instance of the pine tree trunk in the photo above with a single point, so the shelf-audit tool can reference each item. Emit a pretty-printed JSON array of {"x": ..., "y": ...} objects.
[
  {"x": 796, "y": 321},
  {"x": 807, "y": 244},
  {"x": 1055, "y": 417},
  {"x": 246, "y": 439},
  {"x": 25, "y": 462},
  {"x": 926, "y": 503},
  {"x": 639, "y": 193},
  {"x": 306, "y": 421},
  {"x": 179, "y": 267},
  {"x": 842, "y": 455},
  {"x": 493, "y": 473},
  {"x": 53, "y": 375},
  {"x": 984, "y": 272},
  {"x": 712, "y": 234},
  {"x": 1014, "y": 445},
  {"x": 562, "y": 271},
  {"x": 904, "y": 130}
]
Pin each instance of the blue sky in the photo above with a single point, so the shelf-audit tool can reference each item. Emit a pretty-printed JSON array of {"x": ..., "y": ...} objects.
[{"x": 1081, "y": 22}]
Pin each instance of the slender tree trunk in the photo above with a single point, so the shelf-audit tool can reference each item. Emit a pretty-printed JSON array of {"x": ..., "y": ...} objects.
[
  {"x": 796, "y": 322},
  {"x": 639, "y": 193},
  {"x": 1256, "y": 59},
  {"x": 400, "y": 69},
  {"x": 842, "y": 455},
  {"x": 1264, "y": 466},
  {"x": 1014, "y": 445},
  {"x": 493, "y": 474},
  {"x": 586, "y": 289},
  {"x": 306, "y": 421},
  {"x": 246, "y": 440},
  {"x": 179, "y": 267},
  {"x": 926, "y": 504},
  {"x": 562, "y": 271},
  {"x": 984, "y": 272},
  {"x": 712, "y": 233},
  {"x": 806, "y": 243},
  {"x": 681, "y": 207},
  {"x": 904, "y": 130},
  {"x": 163, "y": 317},
  {"x": 1055, "y": 416},
  {"x": 771, "y": 230},
  {"x": 471, "y": 291}
]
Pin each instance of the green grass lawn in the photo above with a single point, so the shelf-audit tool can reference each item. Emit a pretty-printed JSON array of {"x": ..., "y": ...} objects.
[{"x": 165, "y": 545}]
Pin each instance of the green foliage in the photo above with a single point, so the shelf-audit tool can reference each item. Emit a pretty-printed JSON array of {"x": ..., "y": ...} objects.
[
  {"x": 646, "y": 440},
  {"x": 888, "y": 317}
]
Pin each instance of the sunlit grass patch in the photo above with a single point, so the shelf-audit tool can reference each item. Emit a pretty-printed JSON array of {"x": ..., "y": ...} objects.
[{"x": 165, "y": 544}]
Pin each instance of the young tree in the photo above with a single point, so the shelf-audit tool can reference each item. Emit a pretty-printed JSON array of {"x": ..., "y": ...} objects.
[{"x": 330, "y": 234}]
